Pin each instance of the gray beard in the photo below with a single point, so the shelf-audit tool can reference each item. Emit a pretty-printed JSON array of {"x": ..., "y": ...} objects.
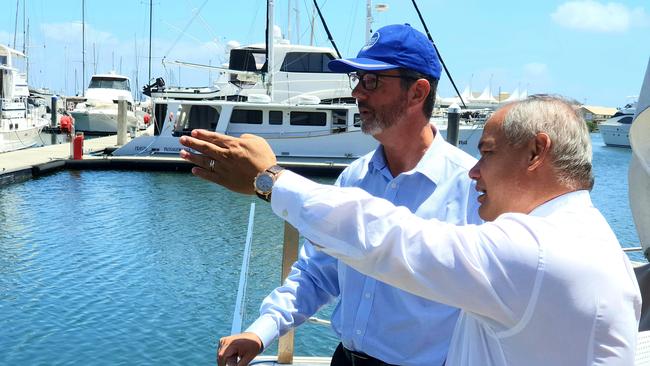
[{"x": 382, "y": 120}]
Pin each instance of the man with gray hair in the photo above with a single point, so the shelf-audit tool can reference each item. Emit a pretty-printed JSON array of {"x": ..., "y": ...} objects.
[{"x": 544, "y": 282}]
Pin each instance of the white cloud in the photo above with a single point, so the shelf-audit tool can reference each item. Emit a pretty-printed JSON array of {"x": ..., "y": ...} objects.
[
  {"x": 537, "y": 75},
  {"x": 535, "y": 69},
  {"x": 589, "y": 15},
  {"x": 71, "y": 32}
]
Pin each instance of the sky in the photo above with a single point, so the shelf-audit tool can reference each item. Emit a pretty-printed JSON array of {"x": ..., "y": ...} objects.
[{"x": 595, "y": 52}]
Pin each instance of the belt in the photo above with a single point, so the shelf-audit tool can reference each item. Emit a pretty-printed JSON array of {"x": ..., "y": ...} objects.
[{"x": 362, "y": 359}]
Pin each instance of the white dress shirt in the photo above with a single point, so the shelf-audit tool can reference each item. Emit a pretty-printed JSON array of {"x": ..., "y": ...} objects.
[
  {"x": 549, "y": 288},
  {"x": 371, "y": 316}
]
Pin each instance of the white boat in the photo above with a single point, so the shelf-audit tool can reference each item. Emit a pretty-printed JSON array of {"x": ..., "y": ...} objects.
[
  {"x": 616, "y": 130},
  {"x": 305, "y": 111},
  {"x": 98, "y": 114},
  {"x": 301, "y": 132},
  {"x": 20, "y": 122},
  {"x": 297, "y": 70}
]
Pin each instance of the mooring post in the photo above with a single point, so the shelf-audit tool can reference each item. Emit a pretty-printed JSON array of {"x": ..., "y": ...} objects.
[
  {"x": 121, "y": 121},
  {"x": 453, "y": 121}
]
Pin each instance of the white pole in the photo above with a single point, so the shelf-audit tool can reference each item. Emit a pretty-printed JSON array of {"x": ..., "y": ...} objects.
[
  {"x": 289, "y": 20},
  {"x": 368, "y": 19}
]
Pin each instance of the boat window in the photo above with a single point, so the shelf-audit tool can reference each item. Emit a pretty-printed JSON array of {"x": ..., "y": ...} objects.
[
  {"x": 248, "y": 116},
  {"x": 109, "y": 83},
  {"x": 246, "y": 59},
  {"x": 626, "y": 120},
  {"x": 357, "y": 120},
  {"x": 160, "y": 113},
  {"x": 200, "y": 116},
  {"x": 275, "y": 117},
  {"x": 306, "y": 62},
  {"x": 308, "y": 118},
  {"x": 339, "y": 117},
  {"x": 203, "y": 116},
  {"x": 3, "y": 60}
]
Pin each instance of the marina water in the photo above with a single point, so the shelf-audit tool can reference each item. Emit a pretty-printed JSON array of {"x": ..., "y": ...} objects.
[{"x": 115, "y": 267}]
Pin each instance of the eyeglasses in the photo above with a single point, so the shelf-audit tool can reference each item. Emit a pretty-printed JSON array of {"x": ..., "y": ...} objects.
[{"x": 370, "y": 81}]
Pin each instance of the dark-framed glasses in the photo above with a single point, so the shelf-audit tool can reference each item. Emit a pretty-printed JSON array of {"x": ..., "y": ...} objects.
[{"x": 370, "y": 81}]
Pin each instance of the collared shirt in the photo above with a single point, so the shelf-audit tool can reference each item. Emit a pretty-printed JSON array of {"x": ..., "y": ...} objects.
[
  {"x": 371, "y": 316},
  {"x": 549, "y": 288}
]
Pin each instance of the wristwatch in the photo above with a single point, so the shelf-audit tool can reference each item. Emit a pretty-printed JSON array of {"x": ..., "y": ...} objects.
[{"x": 264, "y": 181}]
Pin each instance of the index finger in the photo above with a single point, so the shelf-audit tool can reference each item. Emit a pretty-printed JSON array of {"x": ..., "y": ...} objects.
[{"x": 202, "y": 146}]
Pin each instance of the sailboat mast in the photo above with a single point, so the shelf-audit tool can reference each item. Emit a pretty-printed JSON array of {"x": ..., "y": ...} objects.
[
  {"x": 368, "y": 20},
  {"x": 289, "y": 20},
  {"x": 26, "y": 57},
  {"x": 24, "y": 27},
  {"x": 150, "y": 27},
  {"x": 16, "y": 23},
  {"x": 269, "y": 47},
  {"x": 83, "y": 47}
]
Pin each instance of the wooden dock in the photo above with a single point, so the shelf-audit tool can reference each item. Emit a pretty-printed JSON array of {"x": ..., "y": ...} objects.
[{"x": 21, "y": 165}]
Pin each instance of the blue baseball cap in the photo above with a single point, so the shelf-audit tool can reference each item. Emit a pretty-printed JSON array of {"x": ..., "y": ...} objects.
[{"x": 391, "y": 47}]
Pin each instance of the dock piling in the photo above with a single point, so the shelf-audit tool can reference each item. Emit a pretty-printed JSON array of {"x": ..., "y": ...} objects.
[
  {"x": 453, "y": 120},
  {"x": 53, "y": 114},
  {"x": 121, "y": 121}
]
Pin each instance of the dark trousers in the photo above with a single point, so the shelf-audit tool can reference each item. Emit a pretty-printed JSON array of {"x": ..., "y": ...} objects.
[{"x": 345, "y": 357}]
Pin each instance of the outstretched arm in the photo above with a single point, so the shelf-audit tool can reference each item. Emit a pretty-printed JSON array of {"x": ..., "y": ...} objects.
[{"x": 228, "y": 161}]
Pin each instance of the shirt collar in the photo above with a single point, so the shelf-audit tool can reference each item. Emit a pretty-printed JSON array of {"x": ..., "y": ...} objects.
[
  {"x": 571, "y": 199},
  {"x": 431, "y": 165}
]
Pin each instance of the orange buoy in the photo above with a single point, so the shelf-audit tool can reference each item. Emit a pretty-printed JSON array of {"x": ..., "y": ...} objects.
[
  {"x": 78, "y": 146},
  {"x": 146, "y": 119},
  {"x": 66, "y": 123}
]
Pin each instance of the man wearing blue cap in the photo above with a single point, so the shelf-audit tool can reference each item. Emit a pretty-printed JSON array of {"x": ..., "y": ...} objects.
[{"x": 394, "y": 78}]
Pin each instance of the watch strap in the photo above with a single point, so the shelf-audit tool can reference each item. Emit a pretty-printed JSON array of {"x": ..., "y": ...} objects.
[{"x": 273, "y": 171}]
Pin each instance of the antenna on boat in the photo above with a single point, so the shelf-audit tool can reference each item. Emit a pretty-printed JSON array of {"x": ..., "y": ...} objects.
[
  {"x": 426, "y": 29},
  {"x": 329, "y": 35},
  {"x": 269, "y": 47},
  {"x": 150, "y": 27}
]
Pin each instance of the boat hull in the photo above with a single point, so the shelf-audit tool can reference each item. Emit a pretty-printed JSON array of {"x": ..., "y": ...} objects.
[
  {"x": 20, "y": 139},
  {"x": 100, "y": 121},
  {"x": 615, "y": 135},
  {"x": 345, "y": 146}
]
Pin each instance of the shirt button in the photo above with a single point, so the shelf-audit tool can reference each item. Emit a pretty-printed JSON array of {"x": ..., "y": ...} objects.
[
  {"x": 358, "y": 331},
  {"x": 393, "y": 185},
  {"x": 367, "y": 295},
  {"x": 285, "y": 213}
]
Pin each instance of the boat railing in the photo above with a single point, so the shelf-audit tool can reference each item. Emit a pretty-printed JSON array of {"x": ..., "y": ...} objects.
[
  {"x": 632, "y": 249},
  {"x": 238, "y": 316},
  {"x": 289, "y": 256}
]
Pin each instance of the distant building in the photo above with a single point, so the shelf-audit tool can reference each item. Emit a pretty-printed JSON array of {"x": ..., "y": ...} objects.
[{"x": 596, "y": 114}]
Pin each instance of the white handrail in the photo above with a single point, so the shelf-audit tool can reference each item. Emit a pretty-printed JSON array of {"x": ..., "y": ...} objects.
[{"x": 238, "y": 314}]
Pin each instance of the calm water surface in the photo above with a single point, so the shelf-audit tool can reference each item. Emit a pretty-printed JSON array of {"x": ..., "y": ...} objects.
[{"x": 102, "y": 267}]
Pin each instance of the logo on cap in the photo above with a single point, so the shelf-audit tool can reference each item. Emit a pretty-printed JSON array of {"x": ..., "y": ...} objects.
[{"x": 371, "y": 41}]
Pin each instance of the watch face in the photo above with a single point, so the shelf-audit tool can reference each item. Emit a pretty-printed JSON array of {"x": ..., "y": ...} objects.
[{"x": 264, "y": 183}]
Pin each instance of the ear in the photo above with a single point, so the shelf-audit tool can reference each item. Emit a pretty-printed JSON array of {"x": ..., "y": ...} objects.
[
  {"x": 419, "y": 91},
  {"x": 540, "y": 149}
]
